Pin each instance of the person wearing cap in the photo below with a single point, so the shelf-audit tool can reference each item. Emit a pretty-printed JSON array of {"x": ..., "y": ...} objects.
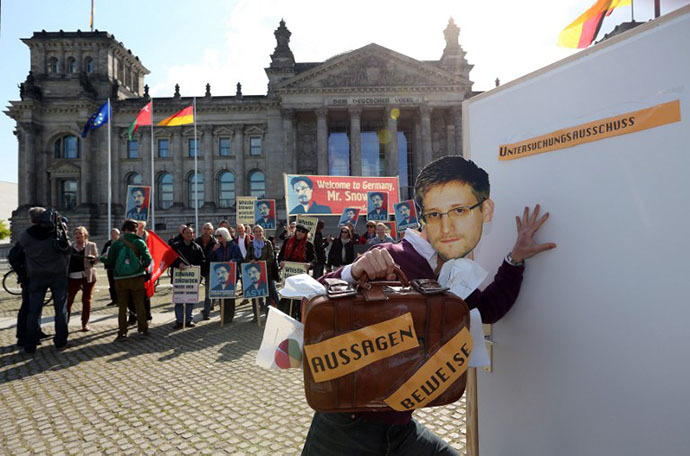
[{"x": 304, "y": 188}]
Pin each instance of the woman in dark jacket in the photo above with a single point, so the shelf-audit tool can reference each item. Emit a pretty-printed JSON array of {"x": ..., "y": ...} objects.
[
  {"x": 226, "y": 250},
  {"x": 261, "y": 249},
  {"x": 320, "y": 245},
  {"x": 342, "y": 251}
]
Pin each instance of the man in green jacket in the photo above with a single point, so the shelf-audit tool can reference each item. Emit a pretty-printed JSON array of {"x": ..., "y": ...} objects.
[{"x": 129, "y": 258}]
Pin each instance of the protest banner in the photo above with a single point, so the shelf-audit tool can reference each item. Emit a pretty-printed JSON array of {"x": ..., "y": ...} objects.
[
  {"x": 350, "y": 215},
  {"x": 245, "y": 209},
  {"x": 265, "y": 213},
  {"x": 309, "y": 223},
  {"x": 377, "y": 206},
  {"x": 138, "y": 199},
  {"x": 254, "y": 280},
  {"x": 308, "y": 194},
  {"x": 292, "y": 268},
  {"x": 222, "y": 277},
  {"x": 186, "y": 285},
  {"x": 406, "y": 215}
]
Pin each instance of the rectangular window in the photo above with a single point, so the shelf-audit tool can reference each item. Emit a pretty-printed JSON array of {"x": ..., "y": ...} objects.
[
  {"x": 255, "y": 146},
  {"x": 133, "y": 149},
  {"x": 163, "y": 148},
  {"x": 193, "y": 147},
  {"x": 224, "y": 147}
]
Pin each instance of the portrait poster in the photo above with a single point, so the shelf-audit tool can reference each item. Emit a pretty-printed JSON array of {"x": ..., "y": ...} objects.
[
  {"x": 265, "y": 213},
  {"x": 329, "y": 195},
  {"x": 186, "y": 285},
  {"x": 309, "y": 223},
  {"x": 245, "y": 209},
  {"x": 391, "y": 229},
  {"x": 349, "y": 215},
  {"x": 254, "y": 280},
  {"x": 377, "y": 206},
  {"x": 138, "y": 201},
  {"x": 292, "y": 268},
  {"x": 222, "y": 277},
  {"x": 405, "y": 215}
]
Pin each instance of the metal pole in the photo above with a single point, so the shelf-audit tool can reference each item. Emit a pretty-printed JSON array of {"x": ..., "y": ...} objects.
[
  {"x": 657, "y": 8},
  {"x": 196, "y": 175},
  {"x": 152, "y": 200},
  {"x": 632, "y": 10},
  {"x": 110, "y": 170}
]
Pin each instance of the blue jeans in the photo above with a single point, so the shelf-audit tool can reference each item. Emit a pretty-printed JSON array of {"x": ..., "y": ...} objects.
[
  {"x": 38, "y": 286},
  {"x": 341, "y": 434},
  {"x": 187, "y": 311}
]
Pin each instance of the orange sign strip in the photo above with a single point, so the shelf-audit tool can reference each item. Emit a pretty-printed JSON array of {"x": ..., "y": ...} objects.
[{"x": 631, "y": 122}]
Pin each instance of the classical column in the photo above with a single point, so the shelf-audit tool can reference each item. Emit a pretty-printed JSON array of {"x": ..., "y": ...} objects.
[
  {"x": 322, "y": 140},
  {"x": 85, "y": 172},
  {"x": 418, "y": 155},
  {"x": 457, "y": 123},
  {"x": 355, "y": 141},
  {"x": 392, "y": 167},
  {"x": 289, "y": 139},
  {"x": 207, "y": 155},
  {"x": 238, "y": 147},
  {"x": 178, "y": 150},
  {"x": 425, "y": 112}
]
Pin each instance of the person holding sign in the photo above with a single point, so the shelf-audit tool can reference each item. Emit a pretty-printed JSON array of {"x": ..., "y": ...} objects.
[
  {"x": 297, "y": 249},
  {"x": 191, "y": 254},
  {"x": 262, "y": 250},
  {"x": 453, "y": 196},
  {"x": 226, "y": 250}
]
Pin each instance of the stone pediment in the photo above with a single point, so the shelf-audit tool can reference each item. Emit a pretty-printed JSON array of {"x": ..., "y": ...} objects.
[
  {"x": 64, "y": 169},
  {"x": 372, "y": 66}
]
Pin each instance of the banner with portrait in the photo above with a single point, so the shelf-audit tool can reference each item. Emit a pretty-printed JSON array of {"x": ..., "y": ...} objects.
[
  {"x": 138, "y": 201},
  {"x": 265, "y": 214},
  {"x": 245, "y": 209},
  {"x": 330, "y": 195},
  {"x": 222, "y": 278},
  {"x": 406, "y": 215},
  {"x": 254, "y": 280},
  {"x": 377, "y": 206},
  {"x": 349, "y": 215}
]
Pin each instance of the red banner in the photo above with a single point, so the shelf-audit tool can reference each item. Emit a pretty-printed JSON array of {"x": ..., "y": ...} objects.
[
  {"x": 163, "y": 256},
  {"x": 332, "y": 194}
]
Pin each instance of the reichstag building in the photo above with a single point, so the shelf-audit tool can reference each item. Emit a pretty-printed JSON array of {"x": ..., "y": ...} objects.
[{"x": 371, "y": 112}]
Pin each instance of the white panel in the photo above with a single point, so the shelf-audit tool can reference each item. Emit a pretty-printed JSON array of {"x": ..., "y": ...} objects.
[{"x": 594, "y": 359}]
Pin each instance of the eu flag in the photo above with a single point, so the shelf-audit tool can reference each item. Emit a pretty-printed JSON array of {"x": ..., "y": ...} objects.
[{"x": 97, "y": 119}]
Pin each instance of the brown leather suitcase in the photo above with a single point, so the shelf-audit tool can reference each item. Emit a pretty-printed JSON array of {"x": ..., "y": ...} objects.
[{"x": 438, "y": 316}]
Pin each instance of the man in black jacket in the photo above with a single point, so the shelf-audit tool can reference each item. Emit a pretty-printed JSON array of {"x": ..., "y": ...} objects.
[
  {"x": 206, "y": 241},
  {"x": 114, "y": 236},
  {"x": 191, "y": 254}
]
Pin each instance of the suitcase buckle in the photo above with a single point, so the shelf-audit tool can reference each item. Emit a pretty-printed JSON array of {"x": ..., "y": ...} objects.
[
  {"x": 336, "y": 288},
  {"x": 428, "y": 286}
]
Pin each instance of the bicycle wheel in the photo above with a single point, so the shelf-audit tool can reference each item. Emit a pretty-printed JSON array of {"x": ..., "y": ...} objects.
[{"x": 10, "y": 282}]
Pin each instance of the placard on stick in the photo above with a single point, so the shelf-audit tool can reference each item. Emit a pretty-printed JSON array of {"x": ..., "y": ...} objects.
[{"x": 186, "y": 285}]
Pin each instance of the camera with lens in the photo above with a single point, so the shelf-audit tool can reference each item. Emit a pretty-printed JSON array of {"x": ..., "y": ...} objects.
[{"x": 57, "y": 223}]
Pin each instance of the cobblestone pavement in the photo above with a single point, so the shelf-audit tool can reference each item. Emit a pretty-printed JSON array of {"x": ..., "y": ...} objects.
[{"x": 192, "y": 391}]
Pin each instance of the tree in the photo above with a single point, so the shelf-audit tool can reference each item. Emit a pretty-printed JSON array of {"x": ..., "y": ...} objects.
[{"x": 4, "y": 230}]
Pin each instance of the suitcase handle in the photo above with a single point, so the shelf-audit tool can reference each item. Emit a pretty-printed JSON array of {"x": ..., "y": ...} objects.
[{"x": 365, "y": 284}]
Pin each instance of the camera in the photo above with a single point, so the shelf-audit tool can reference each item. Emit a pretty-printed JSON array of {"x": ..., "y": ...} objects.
[{"x": 57, "y": 223}]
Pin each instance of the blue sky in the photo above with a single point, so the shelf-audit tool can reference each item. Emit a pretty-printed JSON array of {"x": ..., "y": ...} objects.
[{"x": 223, "y": 42}]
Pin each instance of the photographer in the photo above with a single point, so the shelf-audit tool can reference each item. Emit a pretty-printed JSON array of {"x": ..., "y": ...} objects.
[{"x": 46, "y": 249}]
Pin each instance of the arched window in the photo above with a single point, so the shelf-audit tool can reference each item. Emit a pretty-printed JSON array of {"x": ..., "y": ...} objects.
[
  {"x": 88, "y": 65},
  {"x": 67, "y": 146},
  {"x": 165, "y": 191},
  {"x": 257, "y": 183},
  {"x": 191, "y": 184},
  {"x": 134, "y": 179},
  {"x": 68, "y": 194},
  {"x": 72, "y": 65},
  {"x": 226, "y": 189},
  {"x": 53, "y": 65}
]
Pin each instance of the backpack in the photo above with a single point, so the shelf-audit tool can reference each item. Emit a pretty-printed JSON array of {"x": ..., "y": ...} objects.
[{"x": 127, "y": 263}]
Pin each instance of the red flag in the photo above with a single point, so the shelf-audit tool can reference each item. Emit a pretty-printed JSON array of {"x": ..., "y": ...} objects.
[
  {"x": 163, "y": 256},
  {"x": 143, "y": 118}
]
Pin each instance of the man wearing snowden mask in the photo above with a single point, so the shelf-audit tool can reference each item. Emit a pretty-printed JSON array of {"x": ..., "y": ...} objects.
[{"x": 452, "y": 195}]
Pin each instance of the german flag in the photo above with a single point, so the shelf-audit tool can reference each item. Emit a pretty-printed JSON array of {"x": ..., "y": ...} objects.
[
  {"x": 584, "y": 29},
  {"x": 184, "y": 117}
]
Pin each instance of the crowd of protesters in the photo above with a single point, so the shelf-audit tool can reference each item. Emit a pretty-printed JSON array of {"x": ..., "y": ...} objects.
[{"x": 68, "y": 266}]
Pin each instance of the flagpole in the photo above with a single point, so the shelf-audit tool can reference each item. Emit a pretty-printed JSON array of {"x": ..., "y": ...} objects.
[
  {"x": 632, "y": 10},
  {"x": 196, "y": 175},
  {"x": 152, "y": 199},
  {"x": 92, "y": 12},
  {"x": 110, "y": 170}
]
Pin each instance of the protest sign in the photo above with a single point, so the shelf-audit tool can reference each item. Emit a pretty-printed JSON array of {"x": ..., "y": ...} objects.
[
  {"x": 292, "y": 268},
  {"x": 350, "y": 215},
  {"x": 377, "y": 206},
  {"x": 138, "y": 199},
  {"x": 265, "y": 214},
  {"x": 309, "y": 223},
  {"x": 186, "y": 285},
  {"x": 222, "y": 277},
  {"x": 254, "y": 280},
  {"x": 308, "y": 194},
  {"x": 405, "y": 215},
  {"x": 245, "y": 209}
]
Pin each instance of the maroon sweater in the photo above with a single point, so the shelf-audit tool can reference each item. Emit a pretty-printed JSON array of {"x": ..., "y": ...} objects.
[{"x": 493, "y": 302}]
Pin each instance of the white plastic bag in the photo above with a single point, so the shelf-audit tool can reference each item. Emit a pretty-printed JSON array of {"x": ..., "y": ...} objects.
[{"x": 281, "y": 346}]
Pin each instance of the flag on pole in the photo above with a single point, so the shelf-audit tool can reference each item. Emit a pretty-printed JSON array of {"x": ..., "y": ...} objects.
[
  {"x": 97, "y": 119},
  {"x": 143, "y": 118},
  {"x": 184, "y": 117},
  {"x": 92, "y": 11},
  {"x": 584, "y": 29},
  {"x": 162, "y": 257}
]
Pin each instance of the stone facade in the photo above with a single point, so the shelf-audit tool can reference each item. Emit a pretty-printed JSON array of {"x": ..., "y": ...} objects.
[{"x": 246, "y": 143}]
